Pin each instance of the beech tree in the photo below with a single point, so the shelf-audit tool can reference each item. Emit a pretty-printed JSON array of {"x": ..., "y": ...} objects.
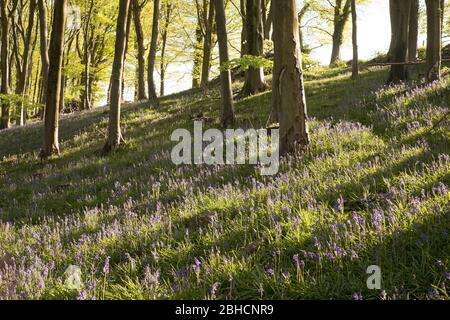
[
  {"x": 137, "y": 7},
  {"x": 4, "y": 120},
  {"x": 413, "y": 31},
  {"x": 355, "y": 66},
  {"x": 51, "y": 125},
  {"x": 152, "y": 55},
  {"x": 400, "y": 11},
  {"x": 289, "y": 100},
  {"x": 227, "y": 116},
  {"x": 43, "y": 35},
  {"x": 254, "y": 76},
  {"x": 342, "y": 11},
  {"x": 434, "y": 39},
  {"x": 115, "y": 138}
]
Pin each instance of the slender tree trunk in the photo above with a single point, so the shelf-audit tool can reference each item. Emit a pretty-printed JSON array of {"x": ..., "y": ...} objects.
[
  {"x": 196, "y": 70},
  {"x": 400, "y": 12},
  {"x": 269, "y": 21},
  {"x": 413, "y": 32},
  {"x": 141, "y": 94},
  {"x": 227, "y": 116},
  {"x": 163, "y": 65},
  {"x": 434, "y": 40},
  {"x": 341, "y": 16},
  {"x": 51, "y": 126},
  {"x": 355, "y": 64},
  {"x": 27, "y": 52},
  {"x": 290, "y": 102},
  {"x": 254, "y": 77},
  {"x": 5, "y": 85},
  {"x": 43, "y": 35},
  {"x": 207, "y": 45},
  {"x": 114, "y": 132},
  {"x": 152, "y": 55},
  {"x": 127, "y": 37},
  {"x": 244, "y": 28}
]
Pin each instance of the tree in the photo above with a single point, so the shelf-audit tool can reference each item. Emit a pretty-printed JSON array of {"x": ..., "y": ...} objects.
[
  {"x": 152, "y": 55},
  {"x": 51, "y": 142},
  {"x": 115, "y": 138},
  {"x": 208, "y": 42},
  {"x": 24, "y": 63},
  {"x": 5, "y": 85},
  {"x": 137, "y": 10},
  {"x": 413, "y": 31},
  {"x": 400, "y": 14},
  {"x": 227, "y": 116},
  {"x": 355, "y": 66},
  {"x": 43, "y": 46},
  {"x": 434, "y": 40},
  {"x": 289, "y": 100},
  {"x": 341, "y": 16},
  {"x": 254, "y": 76},
  {"x": 167, "y": 19}
]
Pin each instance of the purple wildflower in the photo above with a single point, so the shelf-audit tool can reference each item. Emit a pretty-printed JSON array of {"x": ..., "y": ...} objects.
[{"x": 106, "y": 265}]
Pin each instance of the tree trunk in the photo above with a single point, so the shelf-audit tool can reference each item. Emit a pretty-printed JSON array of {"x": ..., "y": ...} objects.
[
  {"x": 207, "y": 45},
  {"x": 5, "y": 85},
  {"x": 413, "y": 31},
  {"x": 152, "y": 56},
  {"x": 341, "y": 15},
  {"x": 244, "y": 27},
  {"x": 355, "y": 64},
  {"x": 269, "y": 21},
  {"x": 51, "y": 142},
  {"x": 254, "y": 77},
  {"x": 27, "y": 52},
  {"x": 400, "y": 12},
  {"x": 141, "y": 94},
  {"x": 85, "y": 94},
  {"x": 227, "y": 115},
  {"x": 165, "y": 31},
  {"x": 434, "y": 40},
  {"x": 114, "y": 132},
  {"x": 43, "y": 46},
  {"x": 289, "y": 102}
]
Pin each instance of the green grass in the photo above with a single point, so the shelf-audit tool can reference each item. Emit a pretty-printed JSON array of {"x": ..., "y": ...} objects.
[{"x": 371, "y": 190}]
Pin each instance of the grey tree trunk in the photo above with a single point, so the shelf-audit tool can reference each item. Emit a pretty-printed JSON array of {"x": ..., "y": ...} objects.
[
  {"x": 290, "y": 101},
  {"x": 141, "y": 94},
  {"x": 400, "y": 13},
  {"x": 5, "y": 85},
  {"x": 413, "y": 31},
  {"x": 434, "y": 40},
  {"x": 51, "y": 124},
  {"x": 115, "y": 138},
  {"x": 152, "y": 56},
  {"x": 43, "y": 35},
  {"x": 207, "y": 45},
  {"x": 355, "y": 63},
  {"x": 26, "y": 56},
  {"x": 227, "y": 115},
  {"x": 341, "y": 16},
  {"x": 254, "y": 77}
]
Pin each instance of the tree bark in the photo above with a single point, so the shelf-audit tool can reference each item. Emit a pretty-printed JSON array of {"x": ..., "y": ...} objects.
[
  {"x": 26, "y": 56},
  {"x": 115, "y": 138},
  {"x": 413, "y": 31},
  {"x": 141, "y": 94},
  {"x": 51, "y": 125},
  {"x": 5, "y": 85},
  {"x": 434, "y": 40},
  {"x": 269, "y": 21},
  {"x": 341, "y": 16},
  {"x": 290, "y": 101},
  {"x": 355, "y": 63},
  {"x": 254, "y": 77},
  {"x": 400, "y": 13},
  {"x": 207, "y": 45},
  {"x": 164, "y": 35},
  {"x": 152, "y": 55},
  {"x": 227, "y": 115},
  {"x": 43, "y": 47}
]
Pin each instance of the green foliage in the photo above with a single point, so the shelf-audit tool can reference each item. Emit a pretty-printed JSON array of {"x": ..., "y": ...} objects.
[{"x": 246, "y": 62}]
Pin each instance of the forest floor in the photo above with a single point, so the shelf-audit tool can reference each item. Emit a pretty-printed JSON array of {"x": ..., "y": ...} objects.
[{"x": 371, "y": 190}]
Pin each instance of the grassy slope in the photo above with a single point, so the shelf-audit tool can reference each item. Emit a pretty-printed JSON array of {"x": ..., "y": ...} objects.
[{"x": 372, "y": 189}]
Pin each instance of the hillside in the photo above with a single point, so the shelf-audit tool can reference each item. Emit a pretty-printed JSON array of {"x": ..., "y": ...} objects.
[{"x": 371, "y": 190}]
